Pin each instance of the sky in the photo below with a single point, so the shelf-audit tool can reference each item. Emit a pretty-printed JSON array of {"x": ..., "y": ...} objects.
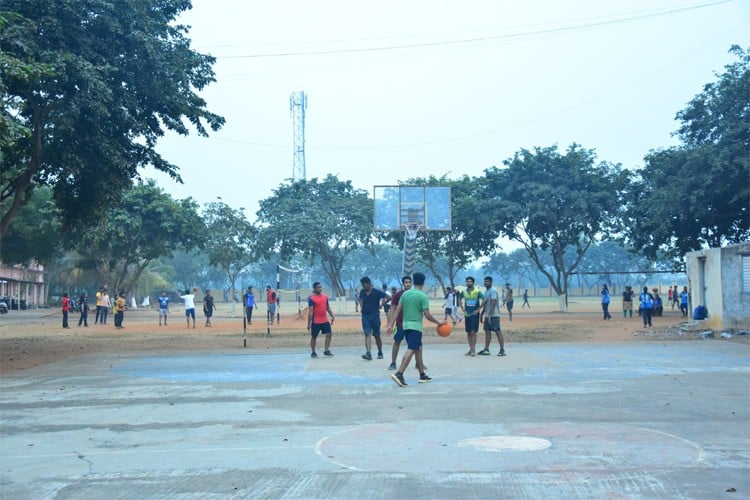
[{"x": 412, "y": 88}]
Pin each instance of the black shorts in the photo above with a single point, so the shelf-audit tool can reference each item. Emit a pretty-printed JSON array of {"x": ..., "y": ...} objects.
[
  {"x": 471, "y": 323},
  {"x": 318, "y": 328}
]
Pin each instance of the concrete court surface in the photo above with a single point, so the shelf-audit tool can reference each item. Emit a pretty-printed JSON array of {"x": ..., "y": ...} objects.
[{"x": 631, "y": 420}]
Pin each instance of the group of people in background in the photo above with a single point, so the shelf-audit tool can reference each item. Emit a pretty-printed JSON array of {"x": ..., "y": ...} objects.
[
  {"x": 103, "y": 306},
  {"x": 651, "y": 303}
]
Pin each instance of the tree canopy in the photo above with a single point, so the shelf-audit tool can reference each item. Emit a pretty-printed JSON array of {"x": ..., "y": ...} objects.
[
  {"x": 550, "y": 202},
  {"x": 148, "y": 224},
  {"x": 231, "y": 241},
  {"x": 697, "y": 194},
  {"x": 91, "y": 87},
  {"x": 325, "y": 219}
]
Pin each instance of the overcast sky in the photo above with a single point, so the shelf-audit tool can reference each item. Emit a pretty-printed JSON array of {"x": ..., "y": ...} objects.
[{"x": 410, "y": 88}]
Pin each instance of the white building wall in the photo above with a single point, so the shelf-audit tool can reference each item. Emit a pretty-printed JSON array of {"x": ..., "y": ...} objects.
[{"x": 715, "y": 278}]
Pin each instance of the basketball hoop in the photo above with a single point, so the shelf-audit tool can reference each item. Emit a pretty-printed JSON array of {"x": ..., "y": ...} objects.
[{"x": 411, "y": 229}]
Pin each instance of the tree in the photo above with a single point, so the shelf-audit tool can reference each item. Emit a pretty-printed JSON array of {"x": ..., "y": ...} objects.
[
  {"x": 92, "y": 86},
  {"x": 697, "y": 194},
  {"x": 549, "y": 202},
  {"x": 326, "y": 219},
  {"x": 148, "y": 224},
  {"x": 34, "y": 234},
  {"x": 231, "y": 240}
]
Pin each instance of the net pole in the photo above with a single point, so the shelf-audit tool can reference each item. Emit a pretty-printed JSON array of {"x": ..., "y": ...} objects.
[{"x": 278, "y": 294}]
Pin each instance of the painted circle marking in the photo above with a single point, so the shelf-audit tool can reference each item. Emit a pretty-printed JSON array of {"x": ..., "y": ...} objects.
[{"x": 506, "y": 443}]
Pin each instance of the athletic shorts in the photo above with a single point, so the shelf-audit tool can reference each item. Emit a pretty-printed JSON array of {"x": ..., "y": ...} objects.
[
  {"x": 163, "y": 312},
  {"x": 509, "y": 305},
  {"x": 208, "y": 312},
  {"x": 492, "y": 324},
  {"x": 190, "y": 313},
  {"x": 272, "y": 307},
  {"x": 413, "y": 339},
  {"x": 318, "y": 328},
  {"x": 449, "y": 311},
  {"x": 627, "y": 306},
  {"x": 471, "y": 323},
  {"x": 399, "y": 335},
  {"x": 371, "y": 324}
]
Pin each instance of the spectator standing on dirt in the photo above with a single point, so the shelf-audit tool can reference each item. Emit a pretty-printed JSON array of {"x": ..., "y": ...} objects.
[
  {"x": 318, "y": 310},
  {"x": 684, "y": 301},
  {"x": 65, "y": 310},
  {"x": 98, "y": 297},
  {"x": 605, "y": 302},
  {"x": 163, "y": 307},
  {"x": 120, "y": 314},
  {"x": 106, "y": 304},
  {"x": 83, "y": 308},
  {"x": 627, "y": 301},
  {"x": 647, "y": 306},
  {"x": 208, "y": 306},
  {"x": 271, "y": 300},
  {"x": 249, "y": 300},
  {"x": 371, "y": 300},
  {"x": 658, "y": 303},
  {"x": 526, "y": 299},
  {"x": 509, "y": 301},
  {"x": 450, "y": 304},
  {"x": 189, "y": 299},
  {"x": 387, "y": 304}
]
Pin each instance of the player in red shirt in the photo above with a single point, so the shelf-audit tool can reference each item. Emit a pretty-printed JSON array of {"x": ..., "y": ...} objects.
[{"x": 317, "y": 319}]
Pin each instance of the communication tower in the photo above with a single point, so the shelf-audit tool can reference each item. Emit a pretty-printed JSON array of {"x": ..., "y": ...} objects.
[{"x": 297, "y": 107}]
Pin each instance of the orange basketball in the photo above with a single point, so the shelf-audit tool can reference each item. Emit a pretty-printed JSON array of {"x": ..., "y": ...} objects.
[{"x": 444, "y": 329}]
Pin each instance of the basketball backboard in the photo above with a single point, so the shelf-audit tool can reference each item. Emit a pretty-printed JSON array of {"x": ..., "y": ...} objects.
[{"x": 427, "y": 206}]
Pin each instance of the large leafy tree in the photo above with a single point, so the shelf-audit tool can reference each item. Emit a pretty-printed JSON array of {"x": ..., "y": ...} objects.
[
  {"x": 551, "y": 202},
  {"x": 92, "y": 86},
  {"x": 697, "y": 194},
  {"x": 147, "y": 224},
  {"x": 231, "y": 240},
  {"x": 34, "y": 234},
  {"x": 325, "y": 219}
]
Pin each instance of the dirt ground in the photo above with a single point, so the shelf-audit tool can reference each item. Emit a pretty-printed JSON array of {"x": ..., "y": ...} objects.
[{"x": 31, "y": 338}]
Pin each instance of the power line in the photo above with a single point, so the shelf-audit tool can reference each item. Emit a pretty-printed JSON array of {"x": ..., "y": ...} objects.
[{"x": 466, "y": 41}]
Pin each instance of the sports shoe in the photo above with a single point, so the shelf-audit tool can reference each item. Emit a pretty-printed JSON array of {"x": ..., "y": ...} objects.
[
  {"x": 367, "y": 356},
  {"x": 327, "y": 353},
  {"x": 468, "y": 353},
  {"x": 501, "y": 353},
  {"x": 399, "y": 379},
  {"x": 424, "y": 379},
  {"x": 484, "y": 352},
  {"x": 380, "y": 355},
  {"x": 392, "y": 366},
  {"x": 472, "y": 354},
  {"x": 313, "y": 355}
]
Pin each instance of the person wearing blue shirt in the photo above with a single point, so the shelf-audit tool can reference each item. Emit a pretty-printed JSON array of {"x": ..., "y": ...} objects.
[
  {"x": 371, "y": 300},
  {"x": 249, "y": 300},
  {"x": 163, "y": 307}
]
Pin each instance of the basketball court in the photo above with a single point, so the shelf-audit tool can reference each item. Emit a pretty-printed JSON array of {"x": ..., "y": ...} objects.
[{"x": 636, "y": 420}]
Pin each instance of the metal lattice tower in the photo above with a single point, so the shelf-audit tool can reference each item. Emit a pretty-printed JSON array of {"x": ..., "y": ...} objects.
[{"x": 297, "y": 107}]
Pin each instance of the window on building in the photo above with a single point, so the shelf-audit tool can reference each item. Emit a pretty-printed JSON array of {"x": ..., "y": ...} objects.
[{"x": 745, "y": 274}]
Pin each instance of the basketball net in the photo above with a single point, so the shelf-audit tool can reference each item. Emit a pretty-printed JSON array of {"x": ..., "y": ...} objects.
[{"x": 411, "y": 229}]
